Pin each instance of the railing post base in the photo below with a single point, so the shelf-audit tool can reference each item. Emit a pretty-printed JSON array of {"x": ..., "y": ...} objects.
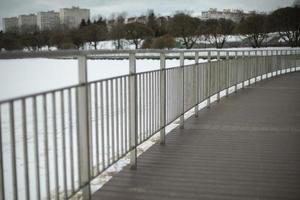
[{"x": 208, "y": 103}]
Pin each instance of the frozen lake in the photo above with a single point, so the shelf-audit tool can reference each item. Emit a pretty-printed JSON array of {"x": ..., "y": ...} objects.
[{"x": 26, "y": 76}]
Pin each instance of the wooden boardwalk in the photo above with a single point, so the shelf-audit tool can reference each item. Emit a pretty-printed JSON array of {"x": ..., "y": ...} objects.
[{"x": 245, "y": 147}]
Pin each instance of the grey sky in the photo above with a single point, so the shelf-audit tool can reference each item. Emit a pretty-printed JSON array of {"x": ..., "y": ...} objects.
[{"x": 9, "y": 8}]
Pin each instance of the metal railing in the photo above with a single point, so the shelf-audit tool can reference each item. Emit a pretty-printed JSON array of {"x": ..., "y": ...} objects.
[{"x": 54, "y": 143}]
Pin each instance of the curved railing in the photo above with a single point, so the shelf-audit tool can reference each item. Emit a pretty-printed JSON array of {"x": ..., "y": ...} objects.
[{"x": 54, "y": 143}]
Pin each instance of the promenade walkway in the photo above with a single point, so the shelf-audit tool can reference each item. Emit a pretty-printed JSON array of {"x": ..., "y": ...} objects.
[{"x": 247, "y": 146}]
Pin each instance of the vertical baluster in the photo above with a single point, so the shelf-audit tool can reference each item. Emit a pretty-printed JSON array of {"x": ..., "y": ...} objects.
[
  {"x": 71, "y": 131},
  {"x": 153, "y": 103},
  {"x": 56, "y": 178},
  {"x": 107, "y": 124},
  {"x": 112, "y": 122},
  {"x": 13, "y": 150},
  {"x": 102, "y": 126},
  {"x": 36, "y": 149},
  {"x": 157, "y": 101},
  {"x": 140, "y": 135},
  {"x": 147, "y": 105},
  {"x": 90, "y": 127},
  {"x": 96, "y": 110},
  {"x": 63, "y": 136},
  {"x": 144, "y": 107},
  {"x": 47, "y": 177},
  {"x": 122, "y": 115},
  {"x": 126, "y": 113},
  {"x": 117, "y": 118},
  {"x": 25, "y": 148}
]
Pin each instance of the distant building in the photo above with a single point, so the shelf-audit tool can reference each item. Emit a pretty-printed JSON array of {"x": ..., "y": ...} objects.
[
  {"x": 10, "y": 24},
  {"x": 27, "y": 20},
  {"x": 142, "y": 19},
  {"x": 296, "y": 3},
  {"x": 47, "y": 20},
  {"x": 72, "y": 17},
  {"x": 130, "y": 20},
  {"x": 213, "y": 13}
]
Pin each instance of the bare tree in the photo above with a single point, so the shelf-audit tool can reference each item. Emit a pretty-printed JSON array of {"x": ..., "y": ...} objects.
[
  {"x": 95, "y": 33},
  {"x": 137, "y": 32},
  {"x": 287, "y": 22},
  {"x": 218, "y": 31},
  {"x": 255, "y": 29},
  {"x": 186, "y": 27},
  {"x": 117, "y": 31}
]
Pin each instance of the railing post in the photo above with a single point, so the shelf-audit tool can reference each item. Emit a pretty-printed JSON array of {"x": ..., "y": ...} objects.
[
  {"x": 228, "y": 74},
  {"x": 249, "y": 67},
  {"x": 271, "y": 64},
  {"x": 266, "y": 63},
  {"x": 209, "y": 77},
  {"x": 286, "y": 59},
  {"x": 256, "y": 67},
  {"x": 183, "y": 84},
  {"x": 196, "y": 83},
  {"x": 244, "y": 66},
  {"x": 236, "y": 73},
  {"x": 295, "y": 60},
  {"x": 260, "y": 65},
  {"x": 83, "y": 120},
  {"x": 275, "y": 61},
  {"x": 132, "y": 111},
  {"x": 281, "y": 58},
  {"x": 218, "y": 78},
  {"x": 162, "y": 98},
  {"x": 278, "y": 67}
]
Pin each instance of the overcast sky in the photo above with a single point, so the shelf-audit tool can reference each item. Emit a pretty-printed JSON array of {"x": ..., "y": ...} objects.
[{"x": 10, "y": 8}]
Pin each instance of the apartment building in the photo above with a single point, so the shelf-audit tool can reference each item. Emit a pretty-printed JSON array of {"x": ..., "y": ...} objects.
[
  {"x": 10, "y": 24},
  {"x": 27, "y": 20},
  {"x": 213, "y": 13},
  {"x": 47, "y": 20},
  {"x": 72, "y": 17}
]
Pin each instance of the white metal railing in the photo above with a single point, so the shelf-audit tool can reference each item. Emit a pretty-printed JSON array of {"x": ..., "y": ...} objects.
[{"x": 54, "y": 143}]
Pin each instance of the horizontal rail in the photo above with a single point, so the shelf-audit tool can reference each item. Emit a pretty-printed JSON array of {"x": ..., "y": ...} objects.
[
  {"x": 123, "y": 54},
  {"x": 54, "y": 143}
]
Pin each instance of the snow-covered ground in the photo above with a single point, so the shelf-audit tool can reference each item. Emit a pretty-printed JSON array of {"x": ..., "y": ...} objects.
[{"x": 26, "y": 76}]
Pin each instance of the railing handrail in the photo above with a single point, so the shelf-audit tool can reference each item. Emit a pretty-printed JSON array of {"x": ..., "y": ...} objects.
[{"x": 103, "y": 52}]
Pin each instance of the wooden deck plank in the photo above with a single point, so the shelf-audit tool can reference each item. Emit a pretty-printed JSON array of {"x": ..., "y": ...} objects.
[{"x": 245, "y": 147}]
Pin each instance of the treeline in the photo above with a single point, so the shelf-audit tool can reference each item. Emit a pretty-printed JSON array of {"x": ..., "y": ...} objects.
[{"x": 150, "y": 31}]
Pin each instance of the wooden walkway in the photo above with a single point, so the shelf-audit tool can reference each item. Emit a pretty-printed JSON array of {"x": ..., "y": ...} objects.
[{"x": 245, "y": 147}]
